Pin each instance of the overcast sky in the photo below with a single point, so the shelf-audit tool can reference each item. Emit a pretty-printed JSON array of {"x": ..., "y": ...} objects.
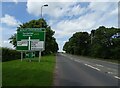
[{"x": 65, "y": 18}]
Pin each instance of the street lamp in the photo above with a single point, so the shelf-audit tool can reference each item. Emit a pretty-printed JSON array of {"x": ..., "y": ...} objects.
[{"x": 41, "y": 9}]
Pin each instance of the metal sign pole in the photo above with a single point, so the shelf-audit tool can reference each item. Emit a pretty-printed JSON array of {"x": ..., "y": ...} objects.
[
  {"x": 29, "y": 49},
  {"x": 39, "y": 55},
  {"x": 29, "y": 43},
  {"x": 21, "y": 56}
]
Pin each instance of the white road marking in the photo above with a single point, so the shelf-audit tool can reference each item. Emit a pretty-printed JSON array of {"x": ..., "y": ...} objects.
[
  {"x": 117, "y": 77},
  {"x": 99, "y": 65},
  {"x": 92, "y": 67},
  {"x": 110, "y": 72},
  {"x": 77, "y": 60}
]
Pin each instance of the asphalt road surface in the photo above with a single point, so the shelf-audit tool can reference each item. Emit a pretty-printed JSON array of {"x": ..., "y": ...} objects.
[{"x": 81, "y": 71}]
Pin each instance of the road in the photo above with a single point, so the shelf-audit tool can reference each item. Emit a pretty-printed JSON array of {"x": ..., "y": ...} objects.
[{"x": 81, "y": 71}]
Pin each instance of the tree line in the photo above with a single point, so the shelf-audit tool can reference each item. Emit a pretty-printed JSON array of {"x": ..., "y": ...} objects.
[{"x": 102, "y": 43}]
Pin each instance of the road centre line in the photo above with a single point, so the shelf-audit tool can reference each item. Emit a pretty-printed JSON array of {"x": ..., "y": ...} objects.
[
  {"x": 117, "y": 77},
  {"x": 99, "y": 65},
  {"x": 110, "y": 72},
  {"x": 92, "y": 67}
]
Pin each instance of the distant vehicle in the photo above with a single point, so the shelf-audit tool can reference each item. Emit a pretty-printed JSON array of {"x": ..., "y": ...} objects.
[{"x": 117, "y": 35}]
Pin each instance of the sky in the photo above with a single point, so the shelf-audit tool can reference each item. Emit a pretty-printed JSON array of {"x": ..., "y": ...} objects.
[{"x": 65, "y": 17}]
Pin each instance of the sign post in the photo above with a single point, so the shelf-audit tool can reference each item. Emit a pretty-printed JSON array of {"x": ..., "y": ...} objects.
[
  {"x": 39, "y": 55},
  {"x": 21, "y": 56},
  {"x": 29, "y": 44},
  {"x": 30, "y": 40}
]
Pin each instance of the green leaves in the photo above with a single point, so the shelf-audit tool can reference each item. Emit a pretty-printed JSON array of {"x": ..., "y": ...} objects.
[
  {"x": 97, "y": 44},
  {"x": 9, "y": 54},
  {"x": 77, "y": 43}
]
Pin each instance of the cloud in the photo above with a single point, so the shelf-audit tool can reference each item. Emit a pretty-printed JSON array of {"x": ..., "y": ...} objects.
[
  {"x": 93, "y": 19},
  {"x": 16, "y": 1},
  {"x": 99, "y": 6},
  {"x": 6, "y": 43},
  {"x": 7, "y": 32},
  {"x": 74, "y": 0},
  {"x": 10, "y": 21},
  {"x": 66, "y": 18},
  {"x": 5, "y": 35},
  {"x": 0, "y": 36},
  {"x": 54, "y": 9}
]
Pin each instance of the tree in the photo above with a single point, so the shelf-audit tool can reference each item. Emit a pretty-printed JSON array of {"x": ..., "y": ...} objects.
[
  {"x": 78, "y": 43},
  {"x": 51, "y": 45},
  {"x": 104, "y": 43}
]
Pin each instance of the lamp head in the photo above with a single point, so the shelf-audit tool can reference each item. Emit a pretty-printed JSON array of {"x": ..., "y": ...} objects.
[{"x": 45, "y": 5}]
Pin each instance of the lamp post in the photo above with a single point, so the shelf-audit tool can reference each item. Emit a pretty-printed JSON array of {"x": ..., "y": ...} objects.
[{"x": 41, "y": 9}]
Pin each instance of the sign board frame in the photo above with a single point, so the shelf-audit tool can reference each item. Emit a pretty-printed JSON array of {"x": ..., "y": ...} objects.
[{"x": 28, "y": 39}]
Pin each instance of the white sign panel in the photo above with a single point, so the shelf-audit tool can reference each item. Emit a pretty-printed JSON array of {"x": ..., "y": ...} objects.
[
  {"x": 22, "y": 43},
  {"x": 37, "y": 45}
]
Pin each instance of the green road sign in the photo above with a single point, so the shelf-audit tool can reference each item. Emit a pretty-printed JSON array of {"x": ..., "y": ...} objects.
[
  {"x": 30, "y": 39},
  {"x": 30, "y": 55}
]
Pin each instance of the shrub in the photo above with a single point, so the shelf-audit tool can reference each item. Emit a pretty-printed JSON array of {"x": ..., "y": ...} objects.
[{"x": 9, "y": 54}]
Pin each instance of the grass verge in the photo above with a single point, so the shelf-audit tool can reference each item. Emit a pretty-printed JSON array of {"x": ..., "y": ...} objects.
[
  {"x": 108, "y": 60},
  {"x": 0, "y": 74},
  {"x": 95, "y": 58},
  {"x": 17, "y": 73}
]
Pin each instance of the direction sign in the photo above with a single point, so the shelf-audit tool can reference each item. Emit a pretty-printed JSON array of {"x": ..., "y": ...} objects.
[{"x": 31, "y": 39}]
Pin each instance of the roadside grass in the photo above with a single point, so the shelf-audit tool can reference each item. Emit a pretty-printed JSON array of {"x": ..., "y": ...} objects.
[
  {"x": 108, "y": 60},
  {"x": 17, "y": 73},
  {"x": 0, "y": 74}
]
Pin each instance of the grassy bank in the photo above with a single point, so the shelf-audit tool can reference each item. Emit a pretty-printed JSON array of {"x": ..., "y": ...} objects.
[
  {"x": 17, "y": 73},
  {"x": 0, "y": 74}
]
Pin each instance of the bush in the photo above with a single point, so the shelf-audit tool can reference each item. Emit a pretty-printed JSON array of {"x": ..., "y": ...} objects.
[{"x": 9, "y": 54}]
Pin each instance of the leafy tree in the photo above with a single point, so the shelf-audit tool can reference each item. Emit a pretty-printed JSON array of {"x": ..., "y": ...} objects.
[
  {"x": 77, "y": 44},
  {"x": 51, "y": 45},
  {"x": 100, "y": 43}
]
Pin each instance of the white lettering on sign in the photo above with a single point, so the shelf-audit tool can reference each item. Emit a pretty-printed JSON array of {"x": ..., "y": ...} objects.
[
  {"x": 22, "y": 43},
  {"x": 36, "y": 45},
  {"x": 28, "y": 34}
]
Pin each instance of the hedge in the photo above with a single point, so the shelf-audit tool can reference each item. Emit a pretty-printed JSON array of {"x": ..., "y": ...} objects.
[{"x": 9, "y": 54}]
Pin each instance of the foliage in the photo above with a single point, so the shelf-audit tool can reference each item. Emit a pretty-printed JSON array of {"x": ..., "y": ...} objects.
[
  {"x": 78, "y": 43},
  {"x": 9, "y": 54},
  {"x": 100, "y": 43},
  {"x": 51, "y": 45}
]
